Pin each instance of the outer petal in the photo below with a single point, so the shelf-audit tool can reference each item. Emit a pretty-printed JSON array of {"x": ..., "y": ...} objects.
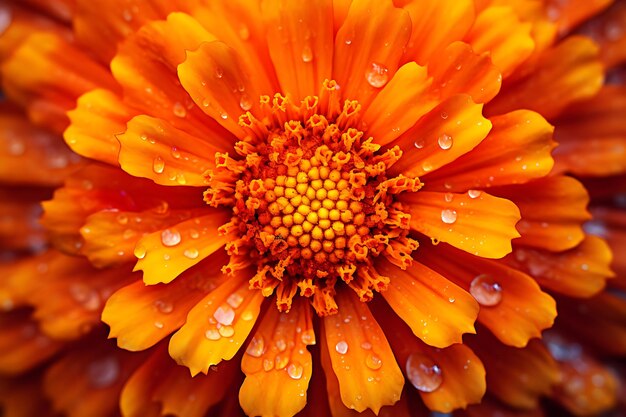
[
  {"x": 444, "y": 311},
  {"x": 569, "y": 72},
  {"x": 20, "y": 211},
  {"x": 354, "y": 339},
  {"x": 553, "y": 211},
  {"x": 165, "y": 254},
  {"x": 218, "y": 325},
  {"x": 477, "y": 223},
  {"x": 362, "y": 48},
  {"x": 278, "y": 364},
  {"x": 140, "y": 316},
  {"x": 578, "y": 272},
  {"x": 606, "y": 31},
  {"x": 523, "y": 310},
  {"x": 450, "y": 130},
  {"x": 610, "y": 224},
  {"x": 300, "y": 37},
  {"x": 516, "y": 150},
  {"x": 570, "y": 14}
]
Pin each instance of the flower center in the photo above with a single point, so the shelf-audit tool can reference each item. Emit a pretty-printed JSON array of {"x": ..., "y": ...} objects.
[{"x": 311, "y": 201}]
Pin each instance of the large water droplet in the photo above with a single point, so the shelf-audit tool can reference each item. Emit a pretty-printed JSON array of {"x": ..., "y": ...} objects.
[
  {"x": 377, "y": 75},
  {"x": 179, "y": 110},
  {"x": 140, "y": 251},
  {"x": 245, "y": 103},
  {"x": 445, "y": 141},
  {"x": 474, "y": 193},
  {"x": 419, "y": 144},
  {"x": 307, "y": 54},
  {"x": 212, "y": 334},
  {"x": 158, "y": 165},
  {"x": 224, "y": 315},
  {"x": 256, "y": 348},
  {"x": 281, "y": 345},
  {"x": 448, "y": 216},
  {"x": 486, "y": 290},
  {"x": 308, "y": 337},
  {"x": 170, "y": 237},
  {"x": 341, "y": 347},
  {"x": 227, "y": 331},
  {"x": 191, "y": 253},
  {"x": 235, "y": 300},
  {"x": 423, "y": 372},
  {"x": 164, "y": 307},
  {"x": 268, "y": 365},
  {"x": 295, "y": 370},
  {"x": 373, "y": 361}
]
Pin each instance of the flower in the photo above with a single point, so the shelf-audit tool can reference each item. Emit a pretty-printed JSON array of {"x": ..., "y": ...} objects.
[{"x": 355, "y": 203}]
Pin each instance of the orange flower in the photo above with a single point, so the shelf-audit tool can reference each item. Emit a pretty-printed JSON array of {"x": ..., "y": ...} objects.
[{"x": 354, "y": 203}]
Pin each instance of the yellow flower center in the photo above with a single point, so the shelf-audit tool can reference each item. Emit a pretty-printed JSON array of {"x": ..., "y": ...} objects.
[{"x": 312, "y": 201}]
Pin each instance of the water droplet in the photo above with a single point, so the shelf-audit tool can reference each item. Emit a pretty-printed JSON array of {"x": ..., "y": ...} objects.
[
  {"x": 175, "y": 152},
  {"x": 103, "y": 373},
  {"x": 281, "y": 345},
  {"x": 445, "y": 142},
  {"x": 245, "y": 103},
  {"x": 348, "y": 41},
  {"x": 308, "y": 337},
  {"x": 127, "y": 15},
  {"x": 223, "y": 115},
  {"x": 170, "y": 237},
  {"x": 448, "y": 216},
  {"x": 140, "y": 252},
  {"x": 247, "y": 315},
  {"x": 191, "y": 253},
  {"x": 448, "y": 197},
  {"x": 474, "y": 193},
  {"x": 281, "y": 361},
  {"x": 423, "y": 372},
  {"x": 268, "y": 365},
  {"x": 16, "y": 147},
  {"x": 341, "y": 347},
  {"x": 179, "y": 110},
  {"x": 295, "y": 370},
  {"x": 224, "y": 315},
  {"x": 451, "y": 299},
  {"x": 85, "y": 296},
  {"x": 366, "y": 345},
  {"x": 219, "y": 72},
  {"x": 373, "y": 362},
  {"x": 307, "y": 54},
  {"x": 256, "y": 348},
  {"x": 444, "y": 115},
  {"x": 227, "y": 331},
  {"x": 158, "y": 165},
  {"x": 485, "y": 290},
  {"x": 234, "y": 300},
  {"x": 419, "y": 144},
  {"x": 377, "y": 75},
  {"x": 159, "y": 324},
  {"x": 212, "y": 334}
]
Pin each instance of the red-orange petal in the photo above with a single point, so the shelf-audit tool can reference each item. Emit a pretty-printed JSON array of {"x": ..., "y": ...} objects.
[
  {"x": 361, "y": 357},
  {"x": 477, "y": 223},
  {"x": 515, "y": 311},
  {"x": 445, "y": 311},
  {"x": 610, "y": 224},
  {"x": 218, "y": 325},
  {"x": 368, "y": 48},
  {"x": 450, "y": 130},
  {"x": 606, "y": 30},
  {"x": 569, "y": 72},
  {"x": 278, "y": 364},
  {"x": 568, "y": 15},
  {"x": 165, "y": 254},
  {"x": 20, "y": 211},
  {"x": 578, "y": 272},
  {"x": 516, "y": 150},
  {"x": 140, "y": 316},
  {"x": 553, "y": 211}
]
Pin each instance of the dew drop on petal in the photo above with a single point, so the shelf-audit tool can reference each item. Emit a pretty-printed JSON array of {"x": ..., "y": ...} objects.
[
  {"x": 158, "y": 165},
  {"x": 377, "y": 75},
  {"x": 268, "y": 365},
  {"x": 219, "y": 72},
  {"x": 448, "y": 197},
  {"x": 223, "y": 115},
  {"x": 341, "y": 347},
  {"x": 373, "y": 362},
  {"x": 448, "y": 216},
  {"x": 474, "y": 193},
  {"x": 295, "y": 370},
  {"x": 170, "y": 237},
  {"x": 486, "y": 290},
  {"x": 227, "y": 331},
  {"x": 256, "y": 348},
  {"x": 140, "y": 252},
  {"x": 419, "y": 144},
  {"x": 224, "y": 315},
  {"x": 444, "y": 115},
  {"x": 191, "y": 253},
  {"x": 281, "y": 345},
  {"x": 179, "y": 110},
  {"x": 308, "y": 337},
  {"x": 175, "y": 152},
  {"x": 158, "y": 324},
  {"x": 445, "y": 141},
  {"x": 307, "y": 54},
  {"x": 212, "y": 334},
  {"x": 423, "y": 372},
  {"x": 245, "y": 102},
  {"x": 164, "y": 307},
  {"x": 235, "y": 300}
]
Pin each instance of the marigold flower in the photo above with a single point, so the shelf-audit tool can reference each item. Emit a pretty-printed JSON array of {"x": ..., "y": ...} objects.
[{"x": 323, "y": 208}]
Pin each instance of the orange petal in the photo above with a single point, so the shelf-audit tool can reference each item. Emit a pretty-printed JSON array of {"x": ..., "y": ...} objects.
[
  {"x": 22, "y": 345},
  {"x": 445, "y": 312},
  {"x": 399, "y": 105},
  {"x": 161, "y": 385},
  {"x": 490, "y": 407},
  {"x": 435, "y": 24},
  {"x": 459, "y": 70},
  {"x": 96, "y": 373},
  {"x": 477, "y": 222},
  {"x": 450, "y": 130},
  {"x": 578, "y": 272},
  {"x": 517, "y": 377},
  {"x": 19, "y": 219},
  {"x": 569, "y": 72},
  {"x": 153, "y": 148},
  {"x": 165, "y": 254},
  {"x": 278, "y": 364},
  {"x": 140, "y": 316},
  {"x": 361, "y": 358},
  {"x": 553, "y": 210},
  {"x": 110, "y": 236},
  {"x": 58, "y": 73},
  {"x": 499, "y": 31},
  {"x": 216, "y": 80},
  {"x": 516, "y": 150},
  {"x": 218, "y": 325},
  {"x": 610, "y": 224},
  {"x": 567, "y": 15},
  {"x": 368, "y": 48},
  {"x": 99, "y": 115},
  {"x": 459, "y": 379},
  {"x": 515, "y": 310},
  {"x": 592, "y": 135},
  {"x": 606, "y": 30},
  {"x": 300, "y": 38}
]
